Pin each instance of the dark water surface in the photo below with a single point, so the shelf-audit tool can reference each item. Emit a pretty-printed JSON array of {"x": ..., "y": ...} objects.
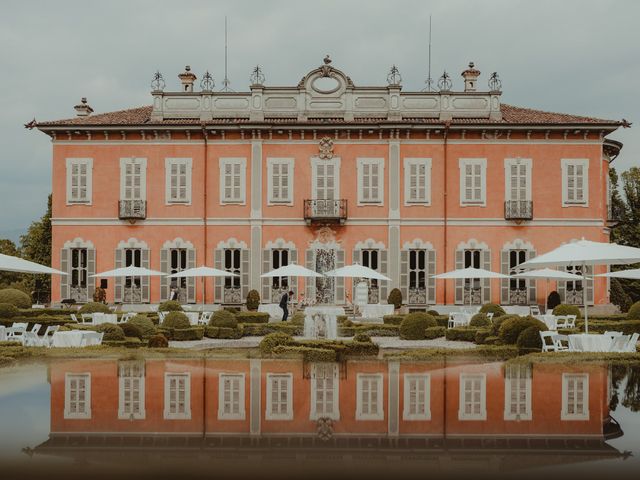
[{"x": 109, "y": 418}]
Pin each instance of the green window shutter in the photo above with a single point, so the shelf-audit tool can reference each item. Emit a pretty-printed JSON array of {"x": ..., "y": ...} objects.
[
  {"x": 64, "y": 279},
  {"x": 383, "y": 286},
  {"x": 118, "y": 283},
  {"x": 459, "y": 299},
  {"x": 486, "y": 284},
  {"x": 91, "y": 270},
  {"x": 340, "y": 280},
  {"x": 404, "y": 275},
  {"x": 431, "y": 282},
  {"x": 356, "y": 257},
  {"x": 266, "y": 282},
  {"x": 589, "y": 272},
  {"x": 191, "y": 281},
  {"x": 145, "y": 280},
  {"x": 219, "y": 282},
  {"x": 561, "y": 288},
  {"x": 293, "y": 281},
  {"x": 164, "y": 268},
  {"x": 504, "y": 283},
  {"x": 310, "y": 283},
  {"x": 531, "y": 284},
  {"x": 244, "y": 272}
]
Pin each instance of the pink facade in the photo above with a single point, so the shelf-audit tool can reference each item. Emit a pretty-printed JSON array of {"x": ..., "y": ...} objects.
[{"x": 411, "y": 184}]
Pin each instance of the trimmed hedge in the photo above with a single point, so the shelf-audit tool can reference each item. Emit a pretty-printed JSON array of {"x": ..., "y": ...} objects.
[
  {"x": 435, "y": 332},
  {"x": 186, "y": 334},
  {"x": 634, "y": 312},
  {"x": 494, "y": 308},
  {"x": 511, "y": 328},
  {"x": 493, "y": 340},
  {"x": 252, "y": 317},
  {"x": 146, "y": 326},
  {"x": 442, "y": 320},
  {"x": 433, "y": 313},
  {"x": 271, "y": 341},
  {"x": 8, "y": 310},
  {"x": 627, "y": 327},
  {"x": 298, "y": 318},
  {"x": 15, "y": 297},
  {"x": 480, "y": 320},
  {"x": 309, "y": 354},
  {"x": 175, "y": 320},
  {"x": 564, "y": 309},
  {"x": 253, "y": 300},
  {"x": 496, "y": 322},
  {"x": 223, "y": 318},
  {"x": 131, "y": 330},
  {"x": 482, "y": 335},
  {"x": 395, "y": 298},
  {"x": 461, "y": 334},
  {"x": 112, "y": 332},
  {"x": 94, "y": 307},
  {"x": 390, "y": 330},
  {"x": 262, "y": 329},
  {"x": 414, "y": 325},
  {"x": 223, "y": 333},
  {"x": 38, "y": 312},
  {"x": 529, "y": 340},
  {"x": 158, "y": 341},
  {"x": 170, "y": 306},
  {"x": 393, "y": 319},
  {"x": 361, "y": 337}
]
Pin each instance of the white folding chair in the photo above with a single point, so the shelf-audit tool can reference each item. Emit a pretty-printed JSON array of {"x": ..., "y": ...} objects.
[
  {"x": 161, "y": 316},
  {"x": 619, "y": 343},
  {"x": 91, "y": 338},
  {"x": 534, "y": 310},
  {"x": 205, "y": 317},
  {"x": 561, "y": 321},
  {"x": 632, "y": 344},
  {"x": 47, "y": 338},
  {"x": 36, "y": 328},
  {"x": 571, "y": 321},
  {"x": 612, "y": 334},
  {"x": 552, "y": 342},
  {"x": 16, "y": 331},
  {"x": 3, "y": 333},
  {"x": 74, "y": 318},
  {"x": 490, "y": 315},
  {"x": 87, "y": 317},
  {"x": 30, "y": 339}
]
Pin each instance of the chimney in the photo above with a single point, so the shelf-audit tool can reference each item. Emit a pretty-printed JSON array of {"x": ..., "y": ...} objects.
[
  {"x": 470, "y": 76},
  {"x": 187, "y": 78},
  {"x": 83, "y": 109}
]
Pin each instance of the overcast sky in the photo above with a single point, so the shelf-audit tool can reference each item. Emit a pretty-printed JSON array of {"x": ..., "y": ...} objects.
[{"x": 575, "y": 56}]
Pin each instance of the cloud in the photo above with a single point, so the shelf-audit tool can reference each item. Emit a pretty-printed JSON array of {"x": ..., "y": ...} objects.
[{"x": 572, "y": 56}]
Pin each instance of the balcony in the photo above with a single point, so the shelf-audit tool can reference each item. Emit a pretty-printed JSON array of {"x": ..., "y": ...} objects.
[
  {"x": 132, "y": 210},
  {"x": 518, "y": 210},
  {"x": 322, "y": 211}
]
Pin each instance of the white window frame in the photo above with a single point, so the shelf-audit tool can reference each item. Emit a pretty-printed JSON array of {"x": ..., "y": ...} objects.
[
  {"x": 508, "y": 162},
  {"x": 89, "y": 195},
  {"x": 143, "y": 176},
  {"x": 168, "y": 163},
  {"x": 408, "y": 163},
  {"x": 508, "y": 384},
  {"x": 314, "y": 173},
  {"x": 584, "y": 162},
  {"x": 68, "y": 415},
  {"x": 222, "y": 415},
  {"x": 242, "y": 161},
  {"x": 122, "y": 414},
  {"x": 408, "y": 378},
  {"x": 565, "y": 415},
  {"x": 187, "y": 396},
  {"x": 462, "y": 163},
  {"x": 483, "y": 396},
  {"x": 290, "y": 162},
  {"x": 379, "y": 415},
  {"x": 360, "y": 163},
  {"x": 335, "y": 415},
  {"x": 288, "y": 415}
]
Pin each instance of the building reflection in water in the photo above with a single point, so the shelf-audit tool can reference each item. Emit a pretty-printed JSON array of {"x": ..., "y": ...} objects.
[{"x": 495, "y": 415}]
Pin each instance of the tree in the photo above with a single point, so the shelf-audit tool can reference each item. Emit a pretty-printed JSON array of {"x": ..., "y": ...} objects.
[
  {"x": 36, "y": 246},
  {"x": 7, "y": 247}
]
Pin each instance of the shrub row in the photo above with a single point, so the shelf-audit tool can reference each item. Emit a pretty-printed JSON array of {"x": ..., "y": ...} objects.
[
  {"x": 434, "y": 332},
  {"x": 15, "y": 297},
  {"x": 309, "y": 354},
  {"x": 253, "y": 317},
  {"x": 461, "y": 334},
  {"x": 413, "y": 326}
]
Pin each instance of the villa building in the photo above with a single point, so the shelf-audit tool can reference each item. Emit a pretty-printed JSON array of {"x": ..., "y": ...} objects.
[{"x": 325, "y": 173}]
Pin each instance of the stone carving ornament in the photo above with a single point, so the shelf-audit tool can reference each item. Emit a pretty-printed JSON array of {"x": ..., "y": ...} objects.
[{"x": 326, "y": 148}]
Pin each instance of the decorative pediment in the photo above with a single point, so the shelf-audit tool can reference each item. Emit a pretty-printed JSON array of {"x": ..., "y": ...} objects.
[{"x": 312, "y": 81}]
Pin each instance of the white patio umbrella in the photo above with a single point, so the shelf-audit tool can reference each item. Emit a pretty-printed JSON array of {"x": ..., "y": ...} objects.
[
  {"x": 202, "y": 271},
  {"x": 357, "y": 271},
  {"x": 129, "y": 271},
  {"x": 548, "y": 274},
  {"x": 292, "y": 270},
  {"x": 633, "y": 274},
  {"x": 20, "y": 265},
  {"x": 582, "y": 253},
  {"x": 470, "y": 273}
]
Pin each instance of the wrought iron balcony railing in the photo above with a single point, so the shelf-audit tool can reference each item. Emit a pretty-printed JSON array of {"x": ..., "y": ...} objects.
[
  {"x": 325, "y": 211},
  {"x": 518, "y": 210},
  {"x": 132, "y": 210}
]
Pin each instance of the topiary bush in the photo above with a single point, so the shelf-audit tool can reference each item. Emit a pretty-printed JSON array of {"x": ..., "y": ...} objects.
[
  {"x": 434, "y": 332},
  {"x": 175, "y": 320},
  {"x": 634, "y": 312},
  {"x": 188, "y": 334},
  {"x": 252, "y": 317},
  {"x": 8, "y": 310},
  {"x": 413, "y": 326},
  {"x": 158, "y": 341},
  {"x": 553, "y": 300},
  {"x": 361, "y": 337},
  {"x": 224, "y": 319},
  {"x": 298, "y": 318},
  {"x": 496, "y": 322},
  {"x": 461, "y": 334},
  {"x": 253, "y": 300},
  {"x": 170, "y": 306},
  {"x": 94, "y": 307},
  {"x": 494, "y": 308},
  {"x": 130, "y": 330},
  {"x": 433, "y": 313},
  {"x": 395, "y": 298},
  {"x": 482, "y": 335},
  {"x": 112, "y": 332},
  {"x": 564, "y": 309},
  {"x": 480, "y": 320},
  {"x": 271, "y": 341},
  {"x": 512, "y": 327},
  {"x": 15, "y": 297},
  {"x": 529, "y": 339},
  {"x": 146, "y": 326},
  {"x": 393, "y": 319}
]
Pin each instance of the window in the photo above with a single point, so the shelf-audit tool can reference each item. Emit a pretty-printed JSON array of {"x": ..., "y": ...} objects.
[
  {"x": 79, "y": 176},
  {"x": 325, "y": 178},
  {"x": 575, "y": 396},
  {"x": 79, "y": 268},
  {"x": 279, "y": 396},
  {"x": 133, "y": 173},
  {"x": 232, "y": 260},
  {"x": 231, "y": 396},
  {"x": 370, "y": 180},
  {"x": 131, "y": 386},
  {"x": 279, "y": 258},
  {"x": 473, "y": 181},
  {"x": 178, "y": 180},
  {"x": 417, "y": 181},
  {"x": 517, "y": 392},
  {"x": 369, "y": 397},
  {"x": 324, "y": 391},
  {"x": 280, "y": 173},
  {"x": 417, "y": 403},
  {"x": 233, "y": 180},
  {"x": 177, "y": 396},
  {"x": 473, "y": 394},
  {"x": 178, "y": 263},
  {"x": 77, "y": 396},
  {"x": 370, "y": 258},
  {"x": 517, "y": 173},
  {"x": 575, "y": 182}
]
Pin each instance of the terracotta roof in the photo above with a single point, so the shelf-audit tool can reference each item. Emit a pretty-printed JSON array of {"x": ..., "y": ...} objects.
[{"x": 141, "y": 116}]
